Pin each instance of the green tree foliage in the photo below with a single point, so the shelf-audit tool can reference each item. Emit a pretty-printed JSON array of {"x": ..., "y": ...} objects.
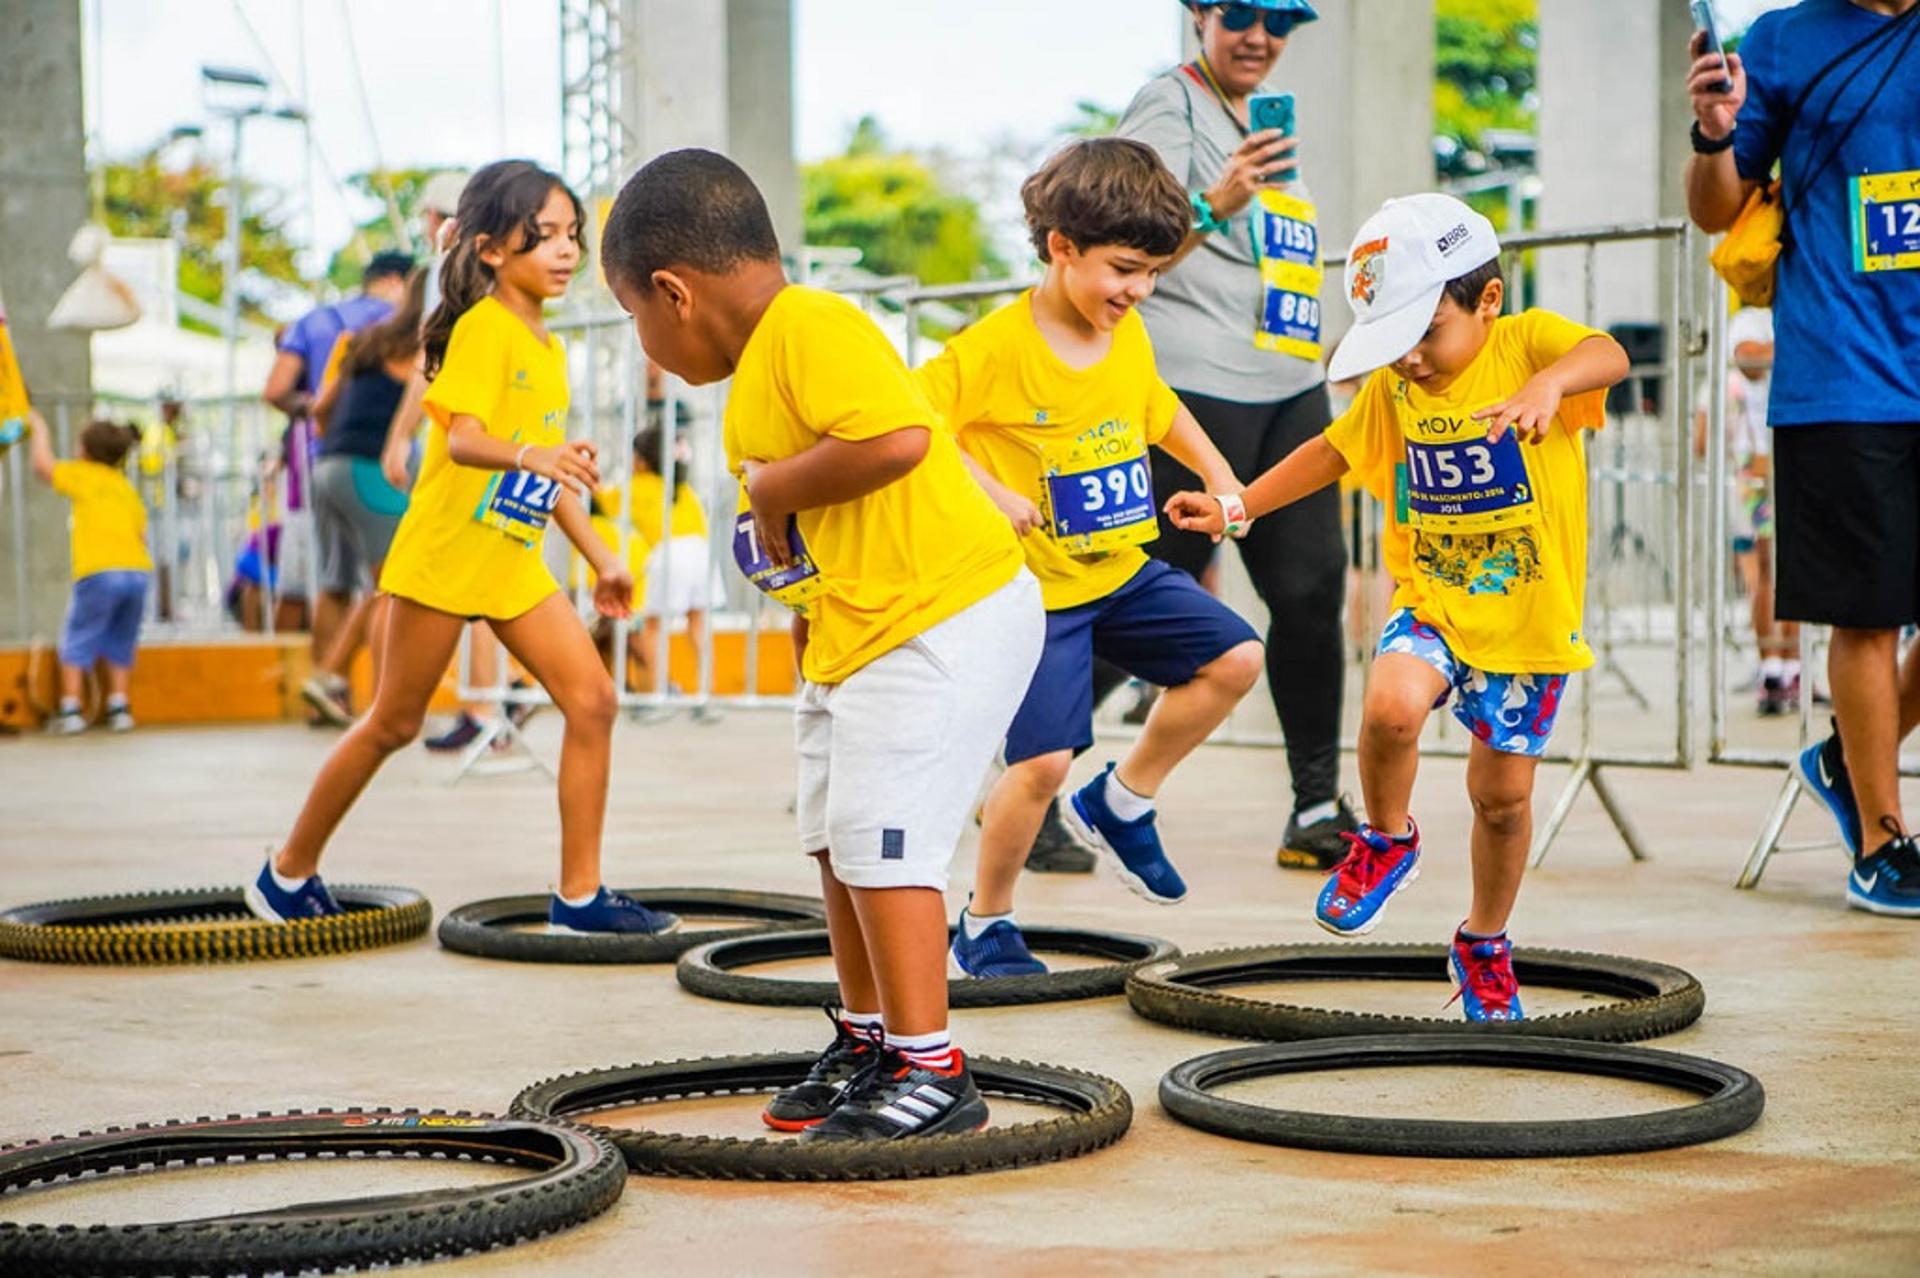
[
  {"x": 145, "y": 197},
  {"x": 377, "y": 234},
  {"x": 896, "y": 210},
  {"x": 1091, "y": 120},
  {"x": 1487, "y": 65}
]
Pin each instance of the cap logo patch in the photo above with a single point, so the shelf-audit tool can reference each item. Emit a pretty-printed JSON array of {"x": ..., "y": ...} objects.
[
  {"x": 1451, "y": 238},
  {"x": 1369, "y": 264}
]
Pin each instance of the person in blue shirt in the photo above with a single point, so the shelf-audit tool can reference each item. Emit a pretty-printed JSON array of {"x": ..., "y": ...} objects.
[{"x": 1827, "y": 93}]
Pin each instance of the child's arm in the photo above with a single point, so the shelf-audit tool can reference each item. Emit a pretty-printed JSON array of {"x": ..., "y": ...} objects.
[
  {"x": 828, "y": 473},
  {"x": 1305, "y": 470},
  {"x": 39, "y": 446},
  {"x": 613, "y": 584},
  {"x": 323, "y": 407},
  {"x": 1187, "y": 441},
  {"x": 571, "y": 462},
  {"x": 1022, "y": 512},
  {"x": 1593, "y": 364},
  {"x": 400, "y": 432}
]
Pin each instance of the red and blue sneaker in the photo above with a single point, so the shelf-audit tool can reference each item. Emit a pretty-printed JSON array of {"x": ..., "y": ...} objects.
[
  {"x": 1376, "y": 866},
  {"x": 1482, "y": 971}
]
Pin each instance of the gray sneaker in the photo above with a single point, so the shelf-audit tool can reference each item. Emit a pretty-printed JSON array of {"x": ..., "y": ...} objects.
[
  {"x": 70, "y": 724},
  {"x": 119, "y": 719},
  {"x": 1055, "y": 850}
]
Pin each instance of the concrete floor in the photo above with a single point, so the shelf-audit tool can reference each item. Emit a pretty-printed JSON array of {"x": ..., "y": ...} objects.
[{"x": 1816, "y": 1000}]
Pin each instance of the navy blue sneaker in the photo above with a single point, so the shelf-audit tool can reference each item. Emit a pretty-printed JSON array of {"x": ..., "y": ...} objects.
[
  {"x": 1888, "y": 882},
  {"x": 1376, "y": 866},
  {"x": 266, "y": 899},
  {"x": 999, "y": 950},
  {"x": 608, "y": 911},
  {"x": 1133, "y": 847},
  {"x": 1823, "y": 769},
  {"x": 1482, "y": 971}
]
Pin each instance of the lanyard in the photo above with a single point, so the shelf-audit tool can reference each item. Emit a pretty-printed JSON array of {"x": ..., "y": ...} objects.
[{"x": 1202, "y": 72}]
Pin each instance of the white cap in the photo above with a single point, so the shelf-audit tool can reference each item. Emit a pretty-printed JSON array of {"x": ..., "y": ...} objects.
[
  {"x": 1399, "y": 265},
  {"x": 1749, "y": 324},
  {"x": 442, "y": 193}
]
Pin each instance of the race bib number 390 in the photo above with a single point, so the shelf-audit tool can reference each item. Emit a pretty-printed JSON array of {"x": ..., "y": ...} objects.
[
  {"x": 1103, "y": 508},
  {"x": 1466, "y": 486},
  {"x": 519, "y": 503},
  {"x": 1885, "y": 211}
]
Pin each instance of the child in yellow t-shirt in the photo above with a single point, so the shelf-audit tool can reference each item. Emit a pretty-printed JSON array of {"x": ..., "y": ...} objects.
[
  {"x": 1485, "y": 539},
  {"x": 672, "y": 574},
  {"x": 1055, "y": 399},
  {"x": 111, "y": 567},
  {"x": 498, "y": 468},
  {"x": 922, "y": 624}
]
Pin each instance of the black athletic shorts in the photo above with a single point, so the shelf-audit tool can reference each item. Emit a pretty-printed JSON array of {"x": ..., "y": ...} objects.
[{"x": 1847, "y": 545}]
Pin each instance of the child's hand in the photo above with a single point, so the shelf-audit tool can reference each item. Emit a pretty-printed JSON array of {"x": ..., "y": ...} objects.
[
  {"x": 1529, "y": 413},
  {"x": 1196, "y": 512},
  {"x": 770, "y": 525},
  {"x": 1020, "y": 511},
  {"x": 393, "y": 466},
  {"x": 613, "y": 591},
  {"x": 574, "y": 462}
]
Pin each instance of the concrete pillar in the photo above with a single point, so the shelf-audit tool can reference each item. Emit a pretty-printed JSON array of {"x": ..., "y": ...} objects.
[
  {"x": 760, "y": 106},
  {"x": 43, "y": 199},
  {"x": 1613, "y": 142}
]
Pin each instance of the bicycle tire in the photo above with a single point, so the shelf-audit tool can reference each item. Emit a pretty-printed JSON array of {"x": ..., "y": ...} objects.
[
  {"x": 1733, "y": 1100},
  {"x": 481, "y": 929},
  {"x": 1100, "y": 1111}
]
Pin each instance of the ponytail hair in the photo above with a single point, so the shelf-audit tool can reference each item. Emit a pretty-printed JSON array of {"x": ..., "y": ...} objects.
[{"x": 501, "y": 205}]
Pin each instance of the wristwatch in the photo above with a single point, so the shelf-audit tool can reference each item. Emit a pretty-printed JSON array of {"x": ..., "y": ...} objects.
[
  {"x": 1233, "y": 512},
  {"x": 1704, "y": 145},
  {"x": 1204, "y": 220}
]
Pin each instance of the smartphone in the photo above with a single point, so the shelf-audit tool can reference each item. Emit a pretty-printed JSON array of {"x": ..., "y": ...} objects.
[
  {"x": 1271, "y": 111},
  {"x": 1703, "y": 23}
]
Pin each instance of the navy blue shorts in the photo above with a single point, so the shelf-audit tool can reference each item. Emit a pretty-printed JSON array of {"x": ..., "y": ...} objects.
[
  {"x": 104, "y": 619},
  {"x": 1160, "y": 626}
]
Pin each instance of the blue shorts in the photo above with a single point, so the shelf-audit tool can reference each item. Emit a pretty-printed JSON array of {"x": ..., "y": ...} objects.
[
  {"x": 104, "y": 619},
  {"x": 1513, "y": 713},
  {"x": 1160, "y": 626}
]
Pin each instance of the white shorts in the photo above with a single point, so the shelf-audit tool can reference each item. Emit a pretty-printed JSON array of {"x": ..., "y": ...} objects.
[
  {"x": 295, "y": 570},
  {"x": 891, "y": 758},
  {"x": 682, "y": 562}
]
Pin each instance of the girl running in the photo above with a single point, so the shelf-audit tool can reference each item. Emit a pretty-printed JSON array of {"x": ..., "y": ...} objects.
[{"x": 498, "y": 467}]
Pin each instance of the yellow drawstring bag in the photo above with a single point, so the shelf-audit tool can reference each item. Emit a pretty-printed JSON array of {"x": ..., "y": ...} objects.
[{"x": 1745, "y": 259}]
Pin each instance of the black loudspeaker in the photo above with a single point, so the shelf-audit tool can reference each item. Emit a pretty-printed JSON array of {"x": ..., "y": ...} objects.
[{"x": 1646, "y": 346}]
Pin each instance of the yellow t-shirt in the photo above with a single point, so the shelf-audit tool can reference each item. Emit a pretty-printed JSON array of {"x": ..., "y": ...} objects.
[
  {"x": 903, "y": 558},
  {"x": 689, "y": 520},
  {"x": 445, "y": 554},
  {"x": 1059, "y": 435},
  {"x": 1487, "y": 543},
  {"x": 109, "y": 523}
]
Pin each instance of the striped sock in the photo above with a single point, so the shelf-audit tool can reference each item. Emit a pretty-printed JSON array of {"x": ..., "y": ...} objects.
[
  {"x": 926, "y": 1051},
  {"x": 864, "y": 1026}
]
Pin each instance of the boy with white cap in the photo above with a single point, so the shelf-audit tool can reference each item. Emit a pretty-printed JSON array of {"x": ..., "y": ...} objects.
[{"x": 1486, "y": 542}]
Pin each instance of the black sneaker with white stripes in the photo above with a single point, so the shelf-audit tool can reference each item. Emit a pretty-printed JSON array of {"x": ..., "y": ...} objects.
[{"x": 893, "y": 1098}]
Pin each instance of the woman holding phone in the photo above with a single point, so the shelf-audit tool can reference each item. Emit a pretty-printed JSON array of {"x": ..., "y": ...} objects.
[{"x": 1235, "y": 323}]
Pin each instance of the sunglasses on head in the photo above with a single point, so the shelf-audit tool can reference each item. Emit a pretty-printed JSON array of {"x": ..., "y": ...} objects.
[{"x": 1238, "y": 17}]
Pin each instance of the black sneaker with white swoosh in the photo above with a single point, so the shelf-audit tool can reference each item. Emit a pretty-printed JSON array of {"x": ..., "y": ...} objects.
[{"x": 893, "y": 1099}]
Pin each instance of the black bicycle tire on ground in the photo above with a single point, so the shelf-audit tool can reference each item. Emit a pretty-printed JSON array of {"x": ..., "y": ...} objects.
[
  {"x": 709, "y": 971},
  {"x": 1101, "y": 1112},
  {"x": 1734, "y": 1098},
  {"x": 204, "y": 925},
  {"x": 578, "y": 1175},
  {"x": 1187, "y": 992},
  {"x": 480, "y": 929}
]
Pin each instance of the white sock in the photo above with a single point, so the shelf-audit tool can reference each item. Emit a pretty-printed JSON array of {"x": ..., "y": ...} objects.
[
  {"x": 1771, "y": 667},
  {"x": 578, "y": 902},
  {"x": 1318, "y": 812},
  {"x": 861, "y": 1024},
  {"x": 1126, "y": 805},
  {"x": 930, "y": 1051},
  {"x": 69, "y": 705},
  {"x": 975, "y": 924},
  {"x": 1790, "y": 670},
  {"x": 116, "y": 703},
  {"x": 284, "y": 883}
]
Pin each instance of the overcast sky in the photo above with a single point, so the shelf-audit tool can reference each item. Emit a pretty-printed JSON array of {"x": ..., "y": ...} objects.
[{"x": 437, "y": 90}]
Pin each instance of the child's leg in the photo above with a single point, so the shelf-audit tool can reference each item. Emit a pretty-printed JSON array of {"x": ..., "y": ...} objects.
[
  {"x": 1015, "y": 807},
  {"x": 1186, "y": 715},
  {"x": 420, "y": 642},
  {"x": 858, "y": 992},
  {"x": 557, "y": 650},
  {"x": 119, "y": 679},
  {"x": 1401, "y": 693},
  {"x": 1501, "y": 787},
  {"x": 908, "y": 926},
  {"x": 72, "y": 683}
]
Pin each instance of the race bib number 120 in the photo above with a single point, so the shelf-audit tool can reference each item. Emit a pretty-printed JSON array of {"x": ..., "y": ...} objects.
[{"x": 519, "y": 503}]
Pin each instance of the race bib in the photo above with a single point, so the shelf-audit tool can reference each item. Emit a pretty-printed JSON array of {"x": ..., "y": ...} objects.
[
  {"x": 795, "y": 585},
  {"x": 519, "y": 503},
  {"x": 1885, "y": 211},
  {"x": 1287, "y": 236},
  {"x": 1466, "y": 486},
  {"x": 1095, "y": 502}
]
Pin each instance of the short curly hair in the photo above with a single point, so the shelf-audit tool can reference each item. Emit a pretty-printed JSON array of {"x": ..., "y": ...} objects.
[{"x": 1107, "y": 191}]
